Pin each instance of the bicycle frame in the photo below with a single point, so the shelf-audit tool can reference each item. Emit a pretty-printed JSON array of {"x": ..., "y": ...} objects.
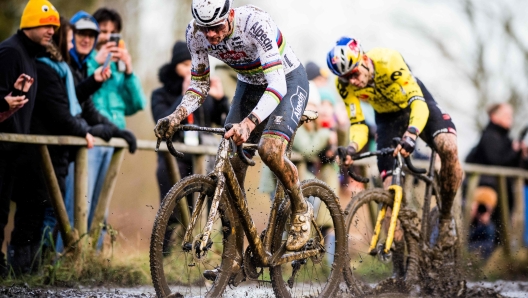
[
  {"x": 397, "y": 188},
  {"x": 227, "y": 181}
]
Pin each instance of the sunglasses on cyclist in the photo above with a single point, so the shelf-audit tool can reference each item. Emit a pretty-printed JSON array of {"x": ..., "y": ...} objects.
[
  {"x": 215, "y": 28},
  {"x": 353, "y": 74}
]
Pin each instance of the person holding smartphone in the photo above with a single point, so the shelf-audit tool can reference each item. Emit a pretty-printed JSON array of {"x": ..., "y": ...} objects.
[{"x": 120, "y": 96}]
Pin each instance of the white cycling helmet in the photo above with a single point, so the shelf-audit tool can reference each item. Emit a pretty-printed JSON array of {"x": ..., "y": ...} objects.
[{"x": 210, "y": 12}]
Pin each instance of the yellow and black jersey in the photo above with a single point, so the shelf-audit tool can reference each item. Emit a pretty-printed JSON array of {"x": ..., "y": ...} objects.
[{"x": 394, "y": 88}]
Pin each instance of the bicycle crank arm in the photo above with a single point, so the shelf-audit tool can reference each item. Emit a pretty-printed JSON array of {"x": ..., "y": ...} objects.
[{"x": 398, "y": 194}]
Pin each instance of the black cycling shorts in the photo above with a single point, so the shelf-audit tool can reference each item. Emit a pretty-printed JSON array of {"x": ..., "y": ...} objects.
[
  {"x": 391, "y": 125},
  {"x": 284, "y": 119}
]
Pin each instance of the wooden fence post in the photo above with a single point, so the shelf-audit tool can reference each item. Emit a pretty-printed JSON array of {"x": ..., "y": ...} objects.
[
  {"x": 518, "y": 221},
  {"x": 56, "y": 197},
  {"x": 81, "y": 191},
  {"x": 505, "y": 216},
  {"x": 175, "y": 177},
  {"x": 106, "y": 195}
]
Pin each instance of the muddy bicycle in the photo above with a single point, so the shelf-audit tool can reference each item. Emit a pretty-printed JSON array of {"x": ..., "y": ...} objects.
[
  {"x": 213, "y": 238},
  {"x": 418, "y": 257}
]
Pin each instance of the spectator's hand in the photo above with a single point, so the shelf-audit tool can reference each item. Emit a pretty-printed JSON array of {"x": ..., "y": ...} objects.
[
  {"x": 123, "y": 55},
  {"x": 15, "y": 102},
  {"x": 406, "y": 146},
  {"x": 524, "y": 149},
  {"x": 20, "y": 81},
  {"x": 166, "y": 127},
  {"x": 107, "y": 48},
  {"x": 345, "y": 154},
  {"x": 89, "y": 141},
  {"x": 216, "y": 90},
  {"x": 101, "y": 76},
  {"x": 103, "y": 131},
  {"x": 516, "y": 145},
  {"x": 240, "y": 131},
  {"x": 129, "y": 138}
]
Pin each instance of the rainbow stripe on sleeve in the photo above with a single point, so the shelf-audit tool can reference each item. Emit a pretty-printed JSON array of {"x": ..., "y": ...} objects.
[
  {"x": 281, "y": 43},
  {"x": 200, "y": 76},
  {"x": 274, "y": 93},
  {"x": 192, "y": 90},
  {"x": 271, "y": 66},
  {"x": 249, "y": 68}
]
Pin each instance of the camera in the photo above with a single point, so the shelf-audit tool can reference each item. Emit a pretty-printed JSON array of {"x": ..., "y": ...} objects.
[{"x": 115, "y": 37}]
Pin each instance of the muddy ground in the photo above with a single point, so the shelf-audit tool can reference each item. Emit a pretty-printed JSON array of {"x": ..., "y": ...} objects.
[{"x": 505, "y": 288}]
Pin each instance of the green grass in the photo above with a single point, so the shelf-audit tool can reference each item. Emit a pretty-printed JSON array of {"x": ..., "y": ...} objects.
[{"x": 84, "y": 266}]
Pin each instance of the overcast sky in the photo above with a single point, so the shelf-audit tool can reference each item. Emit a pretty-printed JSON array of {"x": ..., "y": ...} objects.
[{"x": 311, "y": 27}]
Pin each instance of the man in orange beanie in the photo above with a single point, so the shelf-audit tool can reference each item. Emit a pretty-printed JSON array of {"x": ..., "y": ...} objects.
[{"x": 17, "y": 60}]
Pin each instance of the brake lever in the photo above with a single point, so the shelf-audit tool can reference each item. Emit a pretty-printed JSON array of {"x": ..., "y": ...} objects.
[{"x": 238, "y": 149}]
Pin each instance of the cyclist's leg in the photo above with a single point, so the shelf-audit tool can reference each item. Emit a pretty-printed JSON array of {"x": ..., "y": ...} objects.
[
  {"x": 281, "y": 125},
  {"x": 389, "y": 126},
  {"x": 244, "y": 101},
  {"x": 440, "y": 133}
]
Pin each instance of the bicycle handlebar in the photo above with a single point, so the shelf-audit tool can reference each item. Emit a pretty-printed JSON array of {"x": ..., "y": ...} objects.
[
  {"x": 383, "y": 151},
  {"x": 220, "y": 131}
]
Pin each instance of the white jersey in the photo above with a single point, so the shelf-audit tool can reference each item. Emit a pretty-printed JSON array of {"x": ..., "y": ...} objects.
[{"x": 256, "y": 50}]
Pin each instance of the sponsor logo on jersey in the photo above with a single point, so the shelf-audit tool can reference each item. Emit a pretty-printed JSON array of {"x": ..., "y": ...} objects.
[
  {"x": 237, "y": 42},
  {"x": 278, "y": 119},
  {"x": 287, "y": 61},
  {"x": 232, "y": 55},
  {"x": 219, "y": 47},
  {"x": 258, "y": 33},
  {"x": 298, "y": 102},
  {"x": 353, "y": 112}
]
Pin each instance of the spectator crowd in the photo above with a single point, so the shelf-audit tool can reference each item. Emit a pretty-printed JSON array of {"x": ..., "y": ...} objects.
[{"x": 75, "y": 76}]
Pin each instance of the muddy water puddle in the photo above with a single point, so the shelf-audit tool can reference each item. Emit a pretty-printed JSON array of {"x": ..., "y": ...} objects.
[{"x": 505, "y": 288}]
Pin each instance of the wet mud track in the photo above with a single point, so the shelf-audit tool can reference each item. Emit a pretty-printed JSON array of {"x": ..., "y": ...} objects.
[{"x": 505, "y": 288}]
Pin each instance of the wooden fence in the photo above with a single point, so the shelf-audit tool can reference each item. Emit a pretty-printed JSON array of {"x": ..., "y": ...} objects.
[{"x": 511, "y": 232}]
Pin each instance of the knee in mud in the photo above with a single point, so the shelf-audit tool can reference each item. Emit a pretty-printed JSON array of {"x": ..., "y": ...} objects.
[{"x": 271, "y": 149}]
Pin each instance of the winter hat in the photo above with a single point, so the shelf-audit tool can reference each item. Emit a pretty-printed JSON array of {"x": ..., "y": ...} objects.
[
  {"x": 180, "y": 53},
  {"x": 313, "y": 71},
  {"x": 486, "y": 195},
  {"x": 39, "y": 13}
]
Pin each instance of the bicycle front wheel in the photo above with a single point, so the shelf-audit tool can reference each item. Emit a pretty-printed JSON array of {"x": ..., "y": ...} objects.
[
  {"x": 360, "y": 217},
  {"x": 319, "y": 275},
  {"x": 178, "y": 271}
]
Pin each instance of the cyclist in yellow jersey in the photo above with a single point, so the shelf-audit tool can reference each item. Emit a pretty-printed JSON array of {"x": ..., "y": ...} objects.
[{"x": 403, "y": 108}]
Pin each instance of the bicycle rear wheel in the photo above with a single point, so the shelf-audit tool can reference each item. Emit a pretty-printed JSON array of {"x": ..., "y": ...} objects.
[
  {"x": 317, "y": 276},
  {"x": 177, "y": 271}
]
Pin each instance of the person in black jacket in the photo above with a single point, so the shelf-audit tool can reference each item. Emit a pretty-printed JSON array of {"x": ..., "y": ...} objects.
[
  {"x": 175, "y": 77},
  {"x": 17, "y": 56},
  {"x": 496, "y": 148}
]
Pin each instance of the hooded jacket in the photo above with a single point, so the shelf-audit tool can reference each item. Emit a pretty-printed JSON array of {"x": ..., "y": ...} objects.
[
  {"x": 121, "y": 95},
  {"x": 76, "y": 62}
]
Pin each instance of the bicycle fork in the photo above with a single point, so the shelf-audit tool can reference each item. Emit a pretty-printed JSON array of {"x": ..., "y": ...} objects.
[
  {"x": 397, "y": 189},
  {"x": 398, "y": 194}
]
